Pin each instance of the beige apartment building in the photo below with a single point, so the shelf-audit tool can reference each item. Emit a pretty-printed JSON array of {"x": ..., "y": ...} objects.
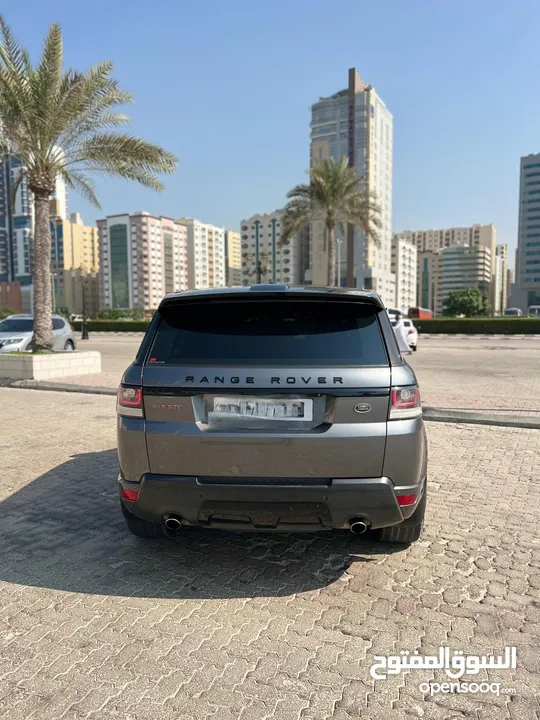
[
  {"x": 74, "y": 264},
  {"x": 74, "y": 244},
  {"x": 233, "y": 258},
  {"x": 206, "y": 255},
  {"x": 79, "y": 291},
  {"x": 356, "y": 124},
  {"x": 142, "y": 258}
]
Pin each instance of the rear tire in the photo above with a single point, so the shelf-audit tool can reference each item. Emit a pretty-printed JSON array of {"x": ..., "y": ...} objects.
[
  {"x": 142, "y": 528},
  {"x": 69, "y": 346},
  {"x": 415, "y": 348},
  {"x": 409, "y": 530}
]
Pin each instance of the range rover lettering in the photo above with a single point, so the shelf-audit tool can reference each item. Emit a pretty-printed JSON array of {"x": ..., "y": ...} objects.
[{"x": 272, "y": 408}]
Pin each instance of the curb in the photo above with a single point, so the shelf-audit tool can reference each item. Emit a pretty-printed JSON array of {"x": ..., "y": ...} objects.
[
  {"x": 446, "y": 336},
  {"x": 57, "y": 387},
  {"x": 424, "y": 336},
  {"x": 458, "y": 417},
  {"x": 470, "y": 417}
]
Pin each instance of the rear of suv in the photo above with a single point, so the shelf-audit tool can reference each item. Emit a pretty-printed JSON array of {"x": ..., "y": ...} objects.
[{"x": 272, "y": 408}]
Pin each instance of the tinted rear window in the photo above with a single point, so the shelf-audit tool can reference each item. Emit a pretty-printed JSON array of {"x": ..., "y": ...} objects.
[{"x": 269, "y": 333}]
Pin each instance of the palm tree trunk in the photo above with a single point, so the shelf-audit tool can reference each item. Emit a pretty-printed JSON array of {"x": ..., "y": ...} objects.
[
  {"x": 331, "y": 257},
  {"x": 41, "y": 274}
]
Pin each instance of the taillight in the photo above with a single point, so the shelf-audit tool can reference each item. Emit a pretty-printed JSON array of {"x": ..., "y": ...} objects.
[
  {"x": 129, "y": 401},
  {"x": 410, "y": 331},
  {"x": 404, "y": 500},
  {"x": 405, "y": 403},
  {"x": 130, "y": 495}
]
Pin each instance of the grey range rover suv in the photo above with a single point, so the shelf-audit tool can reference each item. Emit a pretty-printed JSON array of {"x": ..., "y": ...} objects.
[{"x": 272, "y": 408}]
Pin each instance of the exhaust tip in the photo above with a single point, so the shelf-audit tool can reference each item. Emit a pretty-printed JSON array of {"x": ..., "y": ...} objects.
[
  {"x": 172, "y": 523},
  {"x": 358, "y": 526}
]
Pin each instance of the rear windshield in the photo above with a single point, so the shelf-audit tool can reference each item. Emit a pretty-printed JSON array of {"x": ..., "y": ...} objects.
[
  {"x": 269, "y": 333},
  {"x": 16, "y": 325}
]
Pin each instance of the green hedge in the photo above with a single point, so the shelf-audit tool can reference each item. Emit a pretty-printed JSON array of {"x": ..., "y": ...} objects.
[
  {"x": 480, "y": 326},
  {"x": 114, "y": 325}
]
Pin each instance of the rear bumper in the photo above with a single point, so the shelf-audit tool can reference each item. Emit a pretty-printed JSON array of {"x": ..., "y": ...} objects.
[{"x": 222, "y": 503}]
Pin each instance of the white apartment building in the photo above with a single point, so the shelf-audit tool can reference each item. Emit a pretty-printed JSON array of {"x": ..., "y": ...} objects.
[
  {"x": 142, "y": 258},
  {"x": 404, "y": 267},
  {"x": 356, "y": 124},
  {"x": 264, "y": 258},
  {"x": 474, "y": 236},
  {"x": 207, "y": 267}
]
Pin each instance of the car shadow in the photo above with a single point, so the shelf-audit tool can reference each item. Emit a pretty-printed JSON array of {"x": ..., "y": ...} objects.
[{"x": 65, "y": 531}]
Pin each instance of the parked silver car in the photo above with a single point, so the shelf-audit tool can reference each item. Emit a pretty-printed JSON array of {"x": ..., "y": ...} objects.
[
  {"x": 16, "y": 333},
  {"x": 272, "y": 408}
]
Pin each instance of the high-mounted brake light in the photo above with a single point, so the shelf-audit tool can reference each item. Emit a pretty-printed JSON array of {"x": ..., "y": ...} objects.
[
  {"x": 130, "y": 401},
  {"x": 405, "y": 403}
]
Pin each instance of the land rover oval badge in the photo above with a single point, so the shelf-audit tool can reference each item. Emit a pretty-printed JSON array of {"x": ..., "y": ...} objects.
[{"x": 362, "y": 408}]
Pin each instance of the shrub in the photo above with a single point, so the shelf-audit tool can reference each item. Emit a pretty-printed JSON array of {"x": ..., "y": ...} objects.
[
  {"x": 480, "y": 326},
  {"x": 114, "y": 325}
]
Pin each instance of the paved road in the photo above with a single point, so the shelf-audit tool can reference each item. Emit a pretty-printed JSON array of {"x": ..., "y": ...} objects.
[
  {"x": 95, "y": 623},
  {"x": 473, "y": 374}
]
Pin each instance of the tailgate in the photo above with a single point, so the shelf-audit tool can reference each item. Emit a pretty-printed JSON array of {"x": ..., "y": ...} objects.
[{"x": 302, "y": 391}]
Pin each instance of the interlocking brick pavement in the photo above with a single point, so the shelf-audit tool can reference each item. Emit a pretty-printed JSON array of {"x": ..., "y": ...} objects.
[{"x": 97, "y": 624}]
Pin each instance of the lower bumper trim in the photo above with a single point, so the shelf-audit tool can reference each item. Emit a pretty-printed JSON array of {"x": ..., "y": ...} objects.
[{"x": 269, "y": 507}]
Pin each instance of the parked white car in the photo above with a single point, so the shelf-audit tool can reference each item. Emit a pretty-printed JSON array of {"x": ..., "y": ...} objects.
[
  {"x": 412, "y": 332},
  {"x": 16, "y": 333}
]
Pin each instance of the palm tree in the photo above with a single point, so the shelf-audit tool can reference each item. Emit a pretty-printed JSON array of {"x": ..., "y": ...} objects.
[
  {"x": 335, "y": 197},
  {"x": 62, "y": 123}
]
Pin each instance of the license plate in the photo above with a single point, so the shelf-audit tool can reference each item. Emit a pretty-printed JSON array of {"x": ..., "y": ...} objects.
[{"x": 261, "y": 409}]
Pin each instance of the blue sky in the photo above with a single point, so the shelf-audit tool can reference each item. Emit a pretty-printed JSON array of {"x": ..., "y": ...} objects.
[{"x": 227, "y": 86}]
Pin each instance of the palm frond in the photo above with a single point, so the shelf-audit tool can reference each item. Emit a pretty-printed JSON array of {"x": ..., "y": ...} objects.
[
  {"x": 10, "y": 48},
  {"x": 82, "y": 183},
  {"x": 48, "y": 76},
  {"x": 299, "y": 191},
  {"x": 122, "y": 156},
  {"x": 295, "y": 217}
]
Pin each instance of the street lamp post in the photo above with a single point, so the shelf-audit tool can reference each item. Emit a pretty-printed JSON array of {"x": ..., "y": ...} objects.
[
  {"x": 338, "y": 255},
  {"x": 84, "y": 326},
  {"x": 259, "y": 268},
  {"x": 257, "y": 254},
  {"x": 53, "y": 291}
]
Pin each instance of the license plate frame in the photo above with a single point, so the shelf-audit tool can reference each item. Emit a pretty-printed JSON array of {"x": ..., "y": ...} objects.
[{"x": 246, "y": 408}]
